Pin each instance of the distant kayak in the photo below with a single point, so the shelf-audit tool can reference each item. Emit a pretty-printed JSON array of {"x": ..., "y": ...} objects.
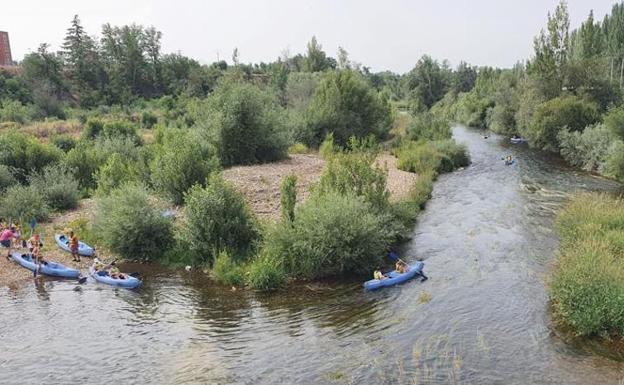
[
  {"x": 49, "y": 268},
  {"x": 127, "y": 282},
  {"x": 394, "y": 277},
  {"x": 83, "y": 249},
  {"x": 510, "y": 162},
  {"x": 518, "y": 140}
]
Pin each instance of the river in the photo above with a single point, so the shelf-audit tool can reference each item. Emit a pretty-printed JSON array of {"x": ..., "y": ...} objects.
[{"x": 482, "y": 318}]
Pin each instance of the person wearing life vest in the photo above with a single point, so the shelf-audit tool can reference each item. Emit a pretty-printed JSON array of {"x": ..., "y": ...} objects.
[{"x": 73, "y": 246}]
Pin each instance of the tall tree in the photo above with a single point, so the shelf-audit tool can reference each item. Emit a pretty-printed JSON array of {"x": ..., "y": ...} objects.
[{"x": 316, "y": 59}]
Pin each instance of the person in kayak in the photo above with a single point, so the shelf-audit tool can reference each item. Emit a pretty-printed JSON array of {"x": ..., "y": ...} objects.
[
  {"x": 115, "y": 273},
  {"x": 73, "y": 246},
  {"x": 401, "y": 267},
  {"x": 7, "y": 237},
  {"x": 379, "y": 275}
]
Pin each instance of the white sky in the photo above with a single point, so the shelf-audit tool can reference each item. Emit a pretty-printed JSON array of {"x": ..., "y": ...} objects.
[{"x": 384, "y": 35}]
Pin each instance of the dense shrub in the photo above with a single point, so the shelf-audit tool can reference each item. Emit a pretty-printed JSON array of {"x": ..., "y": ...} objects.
[
  {"x": 246, "y": 125},
  {"x": 427, "y": 126},
  {"x": 347, "y": 106},
  {"x": 13, "y": 111},
  {"x": 265, "y": 274},
  {"x": 121, "y": 129},
  {"x": 181, "y": 163},
  {"x": 588, "y": 149},
  {"x": 216, "y": 219},
  {"x": 129, "y": 223},
  {"x": 587, "y": 287},
  {"x": 438, "y": 157},
  {"x": 552, "y": 116},
  {"x": 25, "y": 154},
  {"x": 226, "y": 271},
  {"x": 23, "y": 203},
  {"x": 298, "y": 148},
  {"x": 93, "y": 128},
  {"x": 356, "y": 173},
  {"x": 6, "y": 177},
  {"x": 58, "y": 185},
  {"x": 332, "y": 234},
  {"x": 614, "y": 121},
  {"x": 113, "y": 174},
  {"x": 288, "y": 197},
  {"x": 406, "y": 210},
  {"x": 148, "y": 119},
  {"x": 64, "y": 142},
  {"x": 614, "y": 164}
]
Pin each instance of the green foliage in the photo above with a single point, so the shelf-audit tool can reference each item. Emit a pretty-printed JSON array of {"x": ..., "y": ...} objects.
[
  {"x": 316, "y": 59},
  {"x": 614, "y": 164},
  {"x": 84, "y": 228},
  {"x": 226, "y": 271},
  {"x": 216, "y": 219},
  {"x": 438, "y": 157},
  {"x": 427, "y": 126},
  {"x": 406, "y": 210},
  {"x": 588, "y": 149},
  {"x": 120, "y": 129},
  {"x": 333, "y": 234},
  {"x": 288, "y": 197},
  {"x": 129, "y": 223},
  {"x": 148, "y": 119},
  {"x": 587, "y": 287},
  {"x": 328, "y": 148},
  {"x": 298, "y": 148},
  {"x": 355, "y": 173},
  {"x": 58, "y": 186},
  {"x": 427, "y": 82},
  {"x": 25, "y": 154},
  {"x": 23, "y": 203},
  {"x": 93, "y": 128},
  {"x": 65, "y": 142},
  {"x": 614, "y": 121},
  {"x": 347, "y": 106},
  {"x": 13, "y": 111},
  {"x": 265, "y": 274},
  {"x": 6, "y": 177},
  {"x": 563, "y": 112},
  {"x": 113, "y": 174},
  {"x": 245, "y": 125},
  {"x": 181, "y": 163}
]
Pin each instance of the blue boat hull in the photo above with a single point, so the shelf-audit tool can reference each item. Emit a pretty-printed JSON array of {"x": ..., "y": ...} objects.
[
  {"x": 103, "y": 277},
  {"x": 395, "y": 278},
  {"x": 83, "y": 249},
  {"x": 51, "y": 268},
  {"x": 518, "y": 140}
]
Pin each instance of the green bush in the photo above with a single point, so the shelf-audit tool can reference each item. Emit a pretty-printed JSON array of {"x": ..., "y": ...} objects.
[
  {"x": 246, "y": 125},
  {"x": 64, "y": 142},
  {"x": 24, "y": 203},
  {"x": 288, "y": 197},
  {"x": 181, "y": 163},
  {"x": 216, "y": 219},
  {"x": 148, "y": 119},
  {"x": 265, "y": 274},
  {"x": 406, "y": 210},
  {"x": 113, "y": 174},
  {"x": 346, "y": 105},
  {"x": 121, "y": 129},
  {"x": 588, "y": 149},
  {"x": 614, "y": 121},
  {"x": 13, "y": 111},
  {"x": 427, "y": 126},
  {"x": 58, "y": 186},
  {"x": 226, "y": 271},
  {"x": 298, "y": 148},
  {"x": 332, "y": 234},
  {"x": 93, "y": 128},
  {"x": 129, "y": 223},
  {"x": 439, "y": 157},
  {"x": 587, "y": 286},
  {"x": 563, "y": 112},
  {"x": 6, "y": 177},
  {"x": 328, "y": 148},
  {"x": 25, "y": 154},
  {"x": 614, "y": 164},
  {"x": 356, "y": 173}
]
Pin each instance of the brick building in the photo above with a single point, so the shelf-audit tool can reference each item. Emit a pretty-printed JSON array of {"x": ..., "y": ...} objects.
[{"x": 5, "y": 50}]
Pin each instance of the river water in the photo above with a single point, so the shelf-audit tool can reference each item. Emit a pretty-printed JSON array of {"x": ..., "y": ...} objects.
[{"x": 482, "y": 318}]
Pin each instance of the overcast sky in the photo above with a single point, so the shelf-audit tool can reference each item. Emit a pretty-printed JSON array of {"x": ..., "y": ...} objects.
[{"x": 384, "y": 34}]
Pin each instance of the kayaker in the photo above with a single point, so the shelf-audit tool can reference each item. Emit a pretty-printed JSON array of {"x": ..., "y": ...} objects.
[
  {"x": 7, "y": 237},
  {"x": 115, "y": 273},
  {"x": 379, "y": 275},
  {"x": 401, "y": 267},
  {"x": 73, "y": 246}
]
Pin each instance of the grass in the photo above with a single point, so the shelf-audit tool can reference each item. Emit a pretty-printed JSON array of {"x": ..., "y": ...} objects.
[
  {"x": 587, "y": 285},
  {"x": 298, "y": 148}
]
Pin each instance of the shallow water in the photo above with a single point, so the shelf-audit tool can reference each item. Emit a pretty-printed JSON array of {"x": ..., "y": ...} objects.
[{"x": 487, "y": 241}]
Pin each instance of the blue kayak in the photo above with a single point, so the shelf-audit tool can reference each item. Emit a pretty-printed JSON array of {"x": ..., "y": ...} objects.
[
  {"x": 127, "y": 282},
  {"x": 83, "y": 249},
  {"x": 48, "y": 268},
  {"x": 395, "y": 278},
  {"x": 509, "y": 163}
]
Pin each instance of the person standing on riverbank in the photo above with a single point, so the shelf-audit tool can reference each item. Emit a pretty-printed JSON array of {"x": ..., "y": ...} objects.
[
  {"x": 7, "y": 237},
  {"x": 73, "y": 246}
]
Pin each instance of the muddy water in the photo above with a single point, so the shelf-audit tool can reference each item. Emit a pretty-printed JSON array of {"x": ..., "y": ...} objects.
[{"x": 482, "y": 317}]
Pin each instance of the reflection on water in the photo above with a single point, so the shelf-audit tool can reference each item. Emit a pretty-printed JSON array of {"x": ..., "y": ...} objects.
[{"x": 487, "y": 241}]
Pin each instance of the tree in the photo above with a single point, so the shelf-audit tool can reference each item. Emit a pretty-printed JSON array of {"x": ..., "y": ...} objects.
[
  {"x": 346, "y": 105},
  {"x": 463, "y": 78},
  {"x": 587, "y": 40},
  {"x": 43, "y": 72},
  {"x": 316, "y": 59},
  {"x": 427, "y": 82}
]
